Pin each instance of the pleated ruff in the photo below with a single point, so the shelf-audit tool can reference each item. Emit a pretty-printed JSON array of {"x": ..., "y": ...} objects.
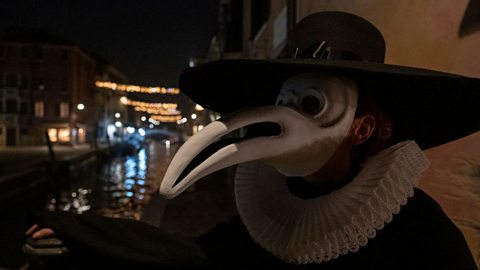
[{"x": 321, "y": 229}]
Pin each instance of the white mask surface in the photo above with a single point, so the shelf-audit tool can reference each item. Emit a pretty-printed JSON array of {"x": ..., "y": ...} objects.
[
  {"x": 327, "y": 106},
  {"x": 315, "y": 116}
]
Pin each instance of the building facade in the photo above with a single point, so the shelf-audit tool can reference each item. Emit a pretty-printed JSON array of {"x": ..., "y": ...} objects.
[{"x": 47, "y": 85}]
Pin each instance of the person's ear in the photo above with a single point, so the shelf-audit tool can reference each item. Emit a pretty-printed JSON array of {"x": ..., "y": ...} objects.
[{"x": 363, "y": 128}]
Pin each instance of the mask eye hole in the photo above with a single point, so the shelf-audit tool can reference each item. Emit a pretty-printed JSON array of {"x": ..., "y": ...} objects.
[{"x": 312, "y": 104}]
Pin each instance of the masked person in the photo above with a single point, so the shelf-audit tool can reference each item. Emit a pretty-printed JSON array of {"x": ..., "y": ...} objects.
[
  {"x": 331, "y": 154},
  {"x": 341, "y": 134}
]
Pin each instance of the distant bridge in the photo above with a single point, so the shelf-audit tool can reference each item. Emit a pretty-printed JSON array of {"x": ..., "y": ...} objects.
[{"x": 163, "y": 134}]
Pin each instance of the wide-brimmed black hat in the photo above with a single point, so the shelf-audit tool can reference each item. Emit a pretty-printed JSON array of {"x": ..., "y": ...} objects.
[{"x": 429, "y": 107}]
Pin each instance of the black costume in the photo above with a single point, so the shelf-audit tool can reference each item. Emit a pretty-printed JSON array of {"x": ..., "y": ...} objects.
[
  {"x": 421, "y": 236},
  {"x": 385, "y": 224},
  {"x": 411, "y": 241}
]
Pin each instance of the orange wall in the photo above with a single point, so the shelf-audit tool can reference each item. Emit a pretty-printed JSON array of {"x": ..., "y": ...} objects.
[{"x": 417, "y": 33}]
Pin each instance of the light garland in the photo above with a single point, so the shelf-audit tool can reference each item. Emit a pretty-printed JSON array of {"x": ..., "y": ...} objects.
[
  {"x": 159, "y": 112},
  {"x": 136, "y": 88},
  {"x": 126, "y": 101},
  {"x": 166, "y": 118},
  {"x": 163, "y": 111}
]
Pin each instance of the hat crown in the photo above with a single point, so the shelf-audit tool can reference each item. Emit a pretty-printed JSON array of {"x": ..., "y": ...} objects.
[{"x": 336, "y": 35}]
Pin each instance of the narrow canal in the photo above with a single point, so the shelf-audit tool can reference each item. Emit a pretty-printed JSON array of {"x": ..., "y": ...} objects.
[
  {"x": 126, "y": 186},
  {"x": 120, "y": 188}
]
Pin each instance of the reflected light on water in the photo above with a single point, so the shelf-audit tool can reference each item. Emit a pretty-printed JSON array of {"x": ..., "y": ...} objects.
[
  {"x": 129, "y": 181},
  {"x": 120, "y": 188},
  {"x": 130, "y": 172}
]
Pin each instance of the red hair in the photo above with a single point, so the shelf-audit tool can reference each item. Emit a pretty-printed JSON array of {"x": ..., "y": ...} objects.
[{"x": 383, "y": 133}]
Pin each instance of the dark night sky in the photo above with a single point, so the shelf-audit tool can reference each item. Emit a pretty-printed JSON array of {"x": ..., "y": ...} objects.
[{"x": 150, "y": 41}]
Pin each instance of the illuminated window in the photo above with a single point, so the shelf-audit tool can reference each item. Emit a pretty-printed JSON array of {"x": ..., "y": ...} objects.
[
  {"x": 64, "y": 109},
  {"x": 52, "y": 133},
  {"x": 64, "y": 135},
  {"x": 81, "y": 137},
  {"x": 39, "y": 109}
]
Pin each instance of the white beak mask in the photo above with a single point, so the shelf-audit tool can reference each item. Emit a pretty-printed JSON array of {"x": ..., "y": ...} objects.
[{"x": 313, "y": 116}]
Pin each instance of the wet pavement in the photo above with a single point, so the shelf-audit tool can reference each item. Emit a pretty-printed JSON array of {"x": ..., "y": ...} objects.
[{"x": 127, "y": 187}]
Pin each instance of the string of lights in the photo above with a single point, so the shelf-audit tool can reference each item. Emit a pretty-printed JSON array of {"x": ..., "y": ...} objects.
[
  {"x": 141, "y": 104},
  {"x": 136, "y": 88},
  {"x": 162, "y": 111},
  {"x": 159, "y": 112},
  {"x": 166, "y": 118}
]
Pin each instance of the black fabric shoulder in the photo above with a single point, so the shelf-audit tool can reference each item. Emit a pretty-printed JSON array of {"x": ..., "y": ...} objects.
[{"x": 422, "y": 236}]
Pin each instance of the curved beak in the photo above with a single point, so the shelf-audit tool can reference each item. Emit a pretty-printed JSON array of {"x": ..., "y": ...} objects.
[{"x": 213, "y": 149}]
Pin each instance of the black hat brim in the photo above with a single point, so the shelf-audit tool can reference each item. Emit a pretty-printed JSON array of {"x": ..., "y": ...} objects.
[{"x": 435, "y": 107}]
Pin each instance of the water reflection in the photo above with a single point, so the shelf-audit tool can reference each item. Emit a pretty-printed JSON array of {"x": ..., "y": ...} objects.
[
  {"x": 78, "y": 202},
  {"x": 124, "y": 187},
  {"x": 121, "y": 188}
]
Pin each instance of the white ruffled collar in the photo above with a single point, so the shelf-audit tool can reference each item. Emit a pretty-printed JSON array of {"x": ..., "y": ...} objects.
[{"x": 323, "y": 228}]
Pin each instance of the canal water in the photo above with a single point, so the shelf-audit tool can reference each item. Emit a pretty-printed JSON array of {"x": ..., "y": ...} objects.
[{"x": 120, "y": 188}]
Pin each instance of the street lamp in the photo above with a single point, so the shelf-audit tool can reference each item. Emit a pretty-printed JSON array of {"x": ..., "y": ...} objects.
[{"x": 124, "y": 100}]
